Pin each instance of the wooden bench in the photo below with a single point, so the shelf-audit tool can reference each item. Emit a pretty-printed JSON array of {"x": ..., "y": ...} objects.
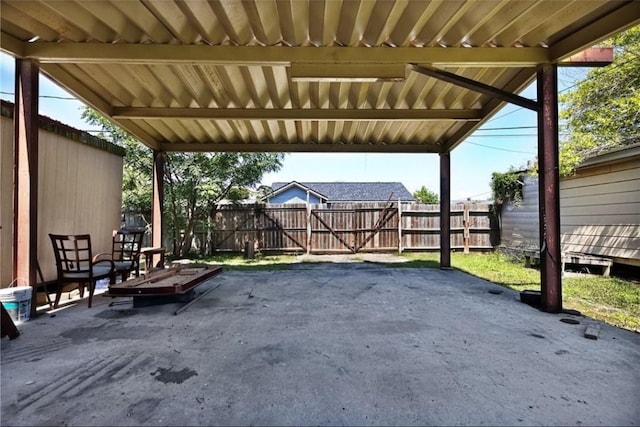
[
  {"x": 164, "y": 286},
  {"x": 574, "y": 258},
  {"x": 148, "y": 254}
]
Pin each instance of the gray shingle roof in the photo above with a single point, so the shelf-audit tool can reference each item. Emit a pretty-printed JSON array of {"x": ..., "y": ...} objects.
[{"x": 355, "y": 191}]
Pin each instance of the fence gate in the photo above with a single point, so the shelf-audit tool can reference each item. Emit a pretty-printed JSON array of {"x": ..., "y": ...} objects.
[
  {"x": 282, "y": 228},
  {"x": 351, "y": 228}
]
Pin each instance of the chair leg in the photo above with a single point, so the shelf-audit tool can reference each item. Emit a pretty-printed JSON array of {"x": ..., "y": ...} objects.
[
  {"x": 92, "y": 287},
  {"x": 58, "y": 295},
  {"x": 48, "y": 299}
]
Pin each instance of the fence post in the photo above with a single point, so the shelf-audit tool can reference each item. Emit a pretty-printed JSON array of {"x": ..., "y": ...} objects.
[
  {"x": 308, "y": 228},
  {"x": 466, "y": 236},
  {"x": 399, "y": 226}
]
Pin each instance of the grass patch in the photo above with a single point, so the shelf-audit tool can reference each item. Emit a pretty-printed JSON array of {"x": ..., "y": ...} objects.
[
  {"x": 612, "y": 300},
  {"x": 232, "y": 261}
]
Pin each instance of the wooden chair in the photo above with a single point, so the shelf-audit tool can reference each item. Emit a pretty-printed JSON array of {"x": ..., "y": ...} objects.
[
  {"x": 75, "y": 264},
  {"x": 125, "y": 252}
]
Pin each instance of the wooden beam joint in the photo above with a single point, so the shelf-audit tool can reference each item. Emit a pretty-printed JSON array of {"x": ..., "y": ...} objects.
[{"x": 592, "y": 57}]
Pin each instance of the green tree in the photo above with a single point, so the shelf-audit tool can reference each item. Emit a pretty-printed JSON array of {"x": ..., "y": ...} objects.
[
  {"x": 195, "y": 183},
  {"x": 603, "y": 111},
  {"x": 506, "y": 187},
  {"x": 426, "y": 196}
]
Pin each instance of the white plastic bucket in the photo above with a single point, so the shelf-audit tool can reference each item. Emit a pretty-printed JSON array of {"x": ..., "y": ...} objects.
[{"x": 17, "y": 302}]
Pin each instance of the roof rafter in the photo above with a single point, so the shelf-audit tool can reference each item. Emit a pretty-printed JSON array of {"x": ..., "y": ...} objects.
[{"x": 294, "y": 114}]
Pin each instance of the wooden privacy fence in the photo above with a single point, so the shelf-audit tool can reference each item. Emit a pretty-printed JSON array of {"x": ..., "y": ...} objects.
[{"x": 349, "y": 227}]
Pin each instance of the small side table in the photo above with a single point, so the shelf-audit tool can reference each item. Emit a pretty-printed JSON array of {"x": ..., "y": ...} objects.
[{"x": 148, "y": 258}]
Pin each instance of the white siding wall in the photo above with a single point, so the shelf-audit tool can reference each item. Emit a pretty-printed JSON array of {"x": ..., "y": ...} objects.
[
  {"x": 80, "y": 191},
  {"x": 600, "y": 211},
  {"x": 6, "y": 201},
  {"x": 519, "y": 224}
]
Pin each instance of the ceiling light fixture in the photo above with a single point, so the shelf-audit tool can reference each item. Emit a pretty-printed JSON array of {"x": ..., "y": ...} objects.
[{"x": 349, "y": 73}]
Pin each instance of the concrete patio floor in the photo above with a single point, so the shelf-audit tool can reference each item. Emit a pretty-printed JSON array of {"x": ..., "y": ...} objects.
[{"x": 322, "y": 344}]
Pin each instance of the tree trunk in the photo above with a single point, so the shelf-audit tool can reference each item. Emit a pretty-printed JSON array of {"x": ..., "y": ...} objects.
[{"x": 187, "y": 238}]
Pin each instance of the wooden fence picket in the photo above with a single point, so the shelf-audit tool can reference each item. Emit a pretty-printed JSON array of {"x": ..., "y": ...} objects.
[{"x": 349, "y": 227}]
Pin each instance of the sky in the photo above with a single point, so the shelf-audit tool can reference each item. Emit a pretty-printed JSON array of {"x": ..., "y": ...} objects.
[{"x": 508, "y": 139}]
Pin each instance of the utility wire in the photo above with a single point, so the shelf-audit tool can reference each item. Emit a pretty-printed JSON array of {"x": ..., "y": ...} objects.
[
  {"x": 508, "y": 128},
  {"x": 478, "y": 195},
  {"x": 606, "y": 70},
  {"x": 66, "y": 98},
  {"x": 500, "y": 149},
  {"x": 503, "y": 135}
]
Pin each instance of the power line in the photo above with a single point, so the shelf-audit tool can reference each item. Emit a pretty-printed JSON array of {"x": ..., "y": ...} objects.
[
  {"x": 506, "y": 114},
  {"x": 502, "y": 135},
  {"x": 500, "y": 149},
  {"x": 478, "y": 195},
  {"x": 509, "y": 127},
  {"x": 606, "y": 70},
  {"x": 66, "y": 98}
]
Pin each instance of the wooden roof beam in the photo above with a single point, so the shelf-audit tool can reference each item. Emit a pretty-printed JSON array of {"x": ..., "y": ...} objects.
[
  {"x": 79, "y": 53},
  {"x": 294, "y": 114},
  {"x": 46, "y": 52},
  {"x": 300, "y": 147},
  {"x": 12, "y": 45}
]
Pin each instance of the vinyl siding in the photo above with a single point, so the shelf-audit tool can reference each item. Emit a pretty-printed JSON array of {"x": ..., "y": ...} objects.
[
  {"x": 80, "y": 191},
  {"x": 519, "y": 224},
  {"x": 600, "y": 211}
]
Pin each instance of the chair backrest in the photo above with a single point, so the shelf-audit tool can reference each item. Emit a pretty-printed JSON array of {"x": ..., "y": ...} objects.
[
  {"x": 127, "y": 245},
  {"x": 72, "y": 252}
]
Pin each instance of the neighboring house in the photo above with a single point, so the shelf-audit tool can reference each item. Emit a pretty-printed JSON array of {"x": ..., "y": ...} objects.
[
  {"x": 338, "y": 192},
  {"x": 600, "y": 206},
  {"x": 599, "y": 209}
]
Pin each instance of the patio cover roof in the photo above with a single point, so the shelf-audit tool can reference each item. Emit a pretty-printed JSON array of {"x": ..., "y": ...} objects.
[{"x": 302, "y": 75}]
